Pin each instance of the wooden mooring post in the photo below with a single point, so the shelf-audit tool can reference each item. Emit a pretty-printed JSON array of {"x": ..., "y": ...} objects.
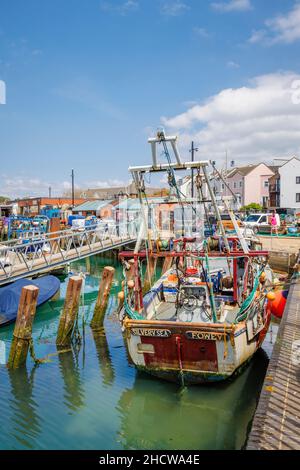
[
  {"x": 23, "y": 327},
  {"x": 129, "y": 273},
  {"x": 103, "y": 296},
  {"x": 70, "y": 310}
]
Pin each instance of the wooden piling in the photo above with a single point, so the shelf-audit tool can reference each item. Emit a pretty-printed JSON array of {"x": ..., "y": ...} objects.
[
  {"x": 88, "y": 264},
  {"x": 103, "y": 296},
  {"x": 130, "y": 272},
  {"x": 70, "y": 310},
  {"x": 23, "y": 327}
]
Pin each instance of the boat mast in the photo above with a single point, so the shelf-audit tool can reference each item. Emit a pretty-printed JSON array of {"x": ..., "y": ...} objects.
[{"x": 214, "y": 203}]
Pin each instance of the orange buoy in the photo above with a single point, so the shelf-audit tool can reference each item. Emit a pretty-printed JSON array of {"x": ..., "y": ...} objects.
[
  {"x": 263, "y": 277},
  {"x": 130, "y": 284},
  {"x": 271, "y": 296},
  {"x": 121, "y": 295},
  {"x": 277, "y": 302}
]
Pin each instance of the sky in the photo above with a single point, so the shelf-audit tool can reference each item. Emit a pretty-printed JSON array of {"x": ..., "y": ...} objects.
[{"x": 88, "y": 81}]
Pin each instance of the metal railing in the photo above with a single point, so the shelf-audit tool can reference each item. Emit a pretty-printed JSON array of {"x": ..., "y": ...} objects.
[{"x": 22, "y": 257}]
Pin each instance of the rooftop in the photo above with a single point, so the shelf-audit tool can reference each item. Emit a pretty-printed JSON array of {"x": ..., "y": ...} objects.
[{"x": 94, "y": 205}]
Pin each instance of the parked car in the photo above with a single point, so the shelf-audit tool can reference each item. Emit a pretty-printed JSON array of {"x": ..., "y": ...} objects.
[{"x": 255, "y": 221}]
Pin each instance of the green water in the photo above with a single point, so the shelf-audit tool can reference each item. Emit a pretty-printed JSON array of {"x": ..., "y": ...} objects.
[{"x": 92, "y": 398}]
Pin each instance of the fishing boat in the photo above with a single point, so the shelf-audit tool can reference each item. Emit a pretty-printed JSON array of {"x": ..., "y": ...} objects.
[
  {"x": 10, "y": 295},
  {"x": 209, "y": 312}
]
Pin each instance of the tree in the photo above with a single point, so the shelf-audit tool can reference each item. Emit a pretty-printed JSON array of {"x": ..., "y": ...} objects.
[
  {"x": 252, "y": 207},
  {"x": 4, "y": 199}
]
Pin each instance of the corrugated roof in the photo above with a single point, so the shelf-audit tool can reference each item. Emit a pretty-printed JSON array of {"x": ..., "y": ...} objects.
[
  {"x": 131, "y": 204},
  {"x": 95, "y": 205}
]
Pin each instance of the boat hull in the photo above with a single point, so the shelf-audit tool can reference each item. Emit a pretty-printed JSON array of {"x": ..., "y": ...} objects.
[{"x": 192, "y": 353}]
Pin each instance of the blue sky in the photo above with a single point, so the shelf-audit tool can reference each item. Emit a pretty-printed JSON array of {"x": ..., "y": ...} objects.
[{"x": 87, "y": 81}]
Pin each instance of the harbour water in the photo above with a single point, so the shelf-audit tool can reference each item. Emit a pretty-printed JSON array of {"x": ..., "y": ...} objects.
[{"x": 91, "y": 397}]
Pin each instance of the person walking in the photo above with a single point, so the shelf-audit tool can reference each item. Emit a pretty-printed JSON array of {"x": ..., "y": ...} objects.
[{"x": 274, "y": 223}]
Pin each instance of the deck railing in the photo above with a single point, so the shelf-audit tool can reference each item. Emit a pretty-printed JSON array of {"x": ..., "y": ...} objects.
[{"x": 22, "y": 257}]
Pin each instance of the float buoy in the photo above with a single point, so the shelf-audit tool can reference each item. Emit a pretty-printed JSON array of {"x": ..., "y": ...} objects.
[
  {"x": 121, "y": 295},
  {"x": 263, "y": 277},
  {"x": 277, "y": 302}
]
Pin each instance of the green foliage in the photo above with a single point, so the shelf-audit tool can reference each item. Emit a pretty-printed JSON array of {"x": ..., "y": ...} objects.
[
  {"x": 252, "y": 207},
  {"x": 3, "y": 199}
]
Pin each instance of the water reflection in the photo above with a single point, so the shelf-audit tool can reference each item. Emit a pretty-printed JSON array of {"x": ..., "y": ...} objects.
[
  {"x": 68, "y": 361},
  {"x": 158, "y": 415},
  {"x": 104, "y": 357},
  {"x": 57, "y": 405},
  {"x": 25, "y": 419}
]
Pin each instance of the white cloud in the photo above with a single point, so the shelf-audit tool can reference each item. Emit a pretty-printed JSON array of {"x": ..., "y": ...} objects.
[
  {"x": 232, "y": 5},
  {"x": 254, "y": 123},
  {"x": 283, "y": 29},
  {"x": 173, "y": 8},
  {"x": 257, "y": 36},
  {"x": 16, "y": 186},
  {"x": 232, "y": 65},
  {"x": 110, "y": 183},
  {"x": 121, "y": 8},
  {"x": 23, "y": 186},
  {"x": 201, "y": 32}
]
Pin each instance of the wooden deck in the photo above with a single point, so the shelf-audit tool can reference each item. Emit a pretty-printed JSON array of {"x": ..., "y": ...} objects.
[{"x": 276, "y": 424}]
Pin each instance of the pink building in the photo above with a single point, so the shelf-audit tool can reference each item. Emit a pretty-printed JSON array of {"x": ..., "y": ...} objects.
[{"x": 249, "y": 184}]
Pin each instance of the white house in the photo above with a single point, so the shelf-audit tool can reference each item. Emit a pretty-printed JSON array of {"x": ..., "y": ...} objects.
[{"x": 290, "y": 184}]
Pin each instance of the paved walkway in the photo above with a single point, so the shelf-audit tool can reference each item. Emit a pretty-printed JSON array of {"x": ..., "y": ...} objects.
[{"x": 276, "y": 424}]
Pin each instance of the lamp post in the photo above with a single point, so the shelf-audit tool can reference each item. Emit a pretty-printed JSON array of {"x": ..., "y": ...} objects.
[{"x": 73, "y": 197}]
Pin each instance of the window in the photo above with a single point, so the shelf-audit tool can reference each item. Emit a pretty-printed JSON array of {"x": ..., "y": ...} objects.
[
  {"x": 223, "y": 186},
  {"x": 234, "y": 185},
  {"x": 297, "y": 197},
  {"x": 297, "y": 179},
  {"x": 241, "y": 184},
  {"x": 252, "y": 218},
  {"x": 266, "y": 184}
]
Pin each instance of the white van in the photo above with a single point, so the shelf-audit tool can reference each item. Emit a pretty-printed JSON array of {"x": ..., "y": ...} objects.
[{"x": 255, "y": 221}]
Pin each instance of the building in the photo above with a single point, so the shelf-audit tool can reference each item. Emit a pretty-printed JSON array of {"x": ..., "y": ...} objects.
[
  {"x": 6, "y": 210},
  {"x": 95, "y": 207},
  {"x": 284, "y": 185},
  {"x": 247, "y": 183},
  {"x": 115, "y": 192},
  {"x": 32, "y": 206},
  {"x": 274, "y": 190}
]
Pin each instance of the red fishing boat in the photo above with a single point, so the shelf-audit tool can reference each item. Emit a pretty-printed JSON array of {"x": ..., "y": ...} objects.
[{"x": 208, "y": 313}]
